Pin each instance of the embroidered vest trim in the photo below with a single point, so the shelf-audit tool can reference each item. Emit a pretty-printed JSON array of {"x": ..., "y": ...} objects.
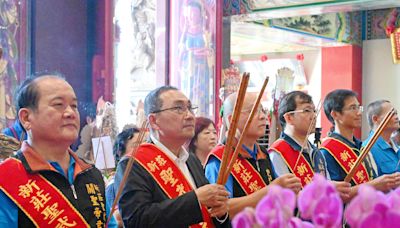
[
  {"x": 244, "y": 173},
  {"x": 303, "y": 170},
  {"x": 41, "y": 201},
  {"x": 346, "y": 158}
]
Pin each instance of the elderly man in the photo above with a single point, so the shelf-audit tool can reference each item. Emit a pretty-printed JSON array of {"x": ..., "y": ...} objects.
[
  {"x": 46, "y": 184},
  {"x": 296, "y": 115},
  {"x": 341, "y": 149},
  {"x": 384, "y": 151},
  {"x": 166, "y": 186},
  {"x": 247, "y": 190}
]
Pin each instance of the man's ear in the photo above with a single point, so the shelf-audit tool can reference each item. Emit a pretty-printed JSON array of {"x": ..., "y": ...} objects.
[
  {"x": 334, "y": 115},
  {"x": 375, "y": 119},
  {"x": 153, "y": 122},
  {"x": 288, "y": 118},
  {"x": 23, "y": 115}
]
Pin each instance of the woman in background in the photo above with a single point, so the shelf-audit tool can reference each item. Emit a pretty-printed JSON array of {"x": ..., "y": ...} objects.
[
  {"x": 204, "y": 139},
  {"x": 123, "y": 144}
]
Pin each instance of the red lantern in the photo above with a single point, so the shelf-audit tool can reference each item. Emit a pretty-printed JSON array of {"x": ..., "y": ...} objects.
[
  {"x": 264, "y": 58},
  {"x": 300, "y": 57}
]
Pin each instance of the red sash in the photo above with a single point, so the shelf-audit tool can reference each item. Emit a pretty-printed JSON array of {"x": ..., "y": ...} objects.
[
  {"x": 346, "y": 157},
  {"x": 244, "y": 173},
  {"x": 168, "y": 176},
  {"x": 303, "y": 170},
  {"x": 39, "y": 199}
]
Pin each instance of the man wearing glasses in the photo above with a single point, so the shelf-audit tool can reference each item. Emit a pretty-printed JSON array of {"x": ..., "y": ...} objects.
[
  {"x": 166, "y": 186},
  {"x": 248, "y": 182},
  {"x": 341, "y": 149},
  {"x": 384, "y": 151},
  {"x": 293, "y": 153}
]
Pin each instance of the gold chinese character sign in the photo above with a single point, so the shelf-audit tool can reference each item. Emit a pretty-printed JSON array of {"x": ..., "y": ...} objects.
[{"x": 395, "y": 41}]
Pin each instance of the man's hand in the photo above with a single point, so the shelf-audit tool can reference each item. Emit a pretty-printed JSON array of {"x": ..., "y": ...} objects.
[
  {"x": 215, "y": 197},
  {"x": 343, "y": 188},
  {"x": 386, "y": 182},
  {"x": 289, "y": 181}
]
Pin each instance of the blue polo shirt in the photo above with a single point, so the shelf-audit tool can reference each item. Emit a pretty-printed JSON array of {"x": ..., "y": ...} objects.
[
  {"x": 386, "y": 158},
  {"x": 9, "y": 211}
]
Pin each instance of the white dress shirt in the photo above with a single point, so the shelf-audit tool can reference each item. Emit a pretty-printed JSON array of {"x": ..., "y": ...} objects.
[{"x": 180, "y": 160}]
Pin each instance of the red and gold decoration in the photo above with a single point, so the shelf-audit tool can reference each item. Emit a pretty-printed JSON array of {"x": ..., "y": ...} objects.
[
  {"x": 394, "y": 34},
  {"x": 168, "y": 176},
  {"x": 295, "y": 161},
  {"x": 244, "y": 173}
]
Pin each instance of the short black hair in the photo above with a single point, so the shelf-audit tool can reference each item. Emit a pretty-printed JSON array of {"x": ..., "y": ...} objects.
[
  {"x": 119, "y": 148},
  {"x": 288, "y": 104},
  {"x": 334, "y": 101},
  {"x": 152, "y": 102},
  {"x": 27, "y": 95},
  {"x": 374, "y": 108},
  {"x": 201, "y": 124}
]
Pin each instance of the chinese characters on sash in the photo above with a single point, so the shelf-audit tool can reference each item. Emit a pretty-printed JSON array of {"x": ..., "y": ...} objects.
[
  {"x": 97, "y": 199},
  {"x": 45, "y": 204}
]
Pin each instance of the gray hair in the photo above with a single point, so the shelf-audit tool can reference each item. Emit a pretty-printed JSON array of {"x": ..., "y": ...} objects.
[
  {"x": 152, "y": 102},
  {"x": 374, "y": 109}
]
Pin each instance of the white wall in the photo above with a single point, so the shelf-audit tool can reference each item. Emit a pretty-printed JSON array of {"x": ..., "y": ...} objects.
[{"x": 381, "y": 78}]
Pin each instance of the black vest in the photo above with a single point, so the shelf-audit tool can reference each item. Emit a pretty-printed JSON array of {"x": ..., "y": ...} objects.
[
  {"x": 83, "y": 203},
  {"x": 262, "y": 167}
]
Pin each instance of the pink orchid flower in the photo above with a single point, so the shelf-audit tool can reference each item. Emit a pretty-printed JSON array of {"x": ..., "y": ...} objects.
[{"x": 320, "y": 202}]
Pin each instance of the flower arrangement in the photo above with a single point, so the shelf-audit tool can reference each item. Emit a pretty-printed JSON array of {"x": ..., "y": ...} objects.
[
  {"x": 372, "y": 208},
  {"x": 319, "y": 205}
]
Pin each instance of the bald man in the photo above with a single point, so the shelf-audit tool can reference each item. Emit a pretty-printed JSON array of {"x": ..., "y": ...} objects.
[{"x": 253, "y": 171}]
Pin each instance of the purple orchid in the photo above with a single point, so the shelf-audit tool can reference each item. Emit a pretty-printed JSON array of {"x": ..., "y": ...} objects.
[
  {"x": 276, "y": 208},
  {"x": 244, "y": 219},
  {"x": 372, "y": 208},
  {"x": 298, "y": 223},
  {"x": 320, "y": 202}
]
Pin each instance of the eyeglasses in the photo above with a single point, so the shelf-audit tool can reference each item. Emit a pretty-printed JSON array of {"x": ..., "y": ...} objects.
[
  {"x": 306, "y": 110},
  {"x": 180, "y": 109},
  {"x": 354, "y": 108}
]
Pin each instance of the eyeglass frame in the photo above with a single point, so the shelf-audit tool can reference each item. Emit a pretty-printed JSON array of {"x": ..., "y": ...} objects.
[
  {"x": 180, "y": 109},
  {"x": 260, "y": 109},
  {"x": 305, "y": 110},
  {"x": 354, "y": 108}
]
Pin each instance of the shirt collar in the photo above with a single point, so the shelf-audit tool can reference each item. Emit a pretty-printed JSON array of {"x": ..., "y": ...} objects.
[
  {"x": 296, "y": 145},
  {"x": 380, "y": 142},
  {"x": 395, "y": 146},
  {"x": 183, "y": 154},
  {"x": 37, "y": 163},
  {"x": 355, "y": 144},
  {"x": 253, "y": 153}
]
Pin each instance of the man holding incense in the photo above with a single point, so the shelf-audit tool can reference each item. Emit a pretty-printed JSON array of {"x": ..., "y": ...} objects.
[
  {"x": 341, "y": 148},
  {"x": 166, "y": 186},
  {"x": 252, "y": 172},
  {"x": 293, "y": 153},
  {"x": 384, "y": 151}
]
